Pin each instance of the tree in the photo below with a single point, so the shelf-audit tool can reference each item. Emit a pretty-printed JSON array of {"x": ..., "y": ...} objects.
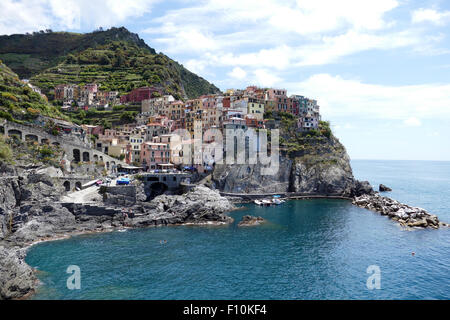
[
  {"x": 105, "y": 124},
  {"x": 127, "y": 116},
  {"x": 104, "y": 60}
]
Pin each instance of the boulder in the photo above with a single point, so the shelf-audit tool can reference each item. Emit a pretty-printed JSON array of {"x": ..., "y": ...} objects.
[
  {"x": 383, "y": 188},
  {"x": 248, "y": 221}
]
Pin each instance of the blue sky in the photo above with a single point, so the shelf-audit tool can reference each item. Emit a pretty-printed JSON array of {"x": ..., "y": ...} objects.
[{"x": 380, "y": 70}]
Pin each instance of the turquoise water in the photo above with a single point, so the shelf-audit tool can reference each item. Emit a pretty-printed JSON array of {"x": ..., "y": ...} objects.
[{"x": 311, "y": 249}]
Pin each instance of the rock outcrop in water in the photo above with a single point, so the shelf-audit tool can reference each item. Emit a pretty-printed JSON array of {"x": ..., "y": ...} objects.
[
  {"x": 383, "y": 188},
  {"x": 199, "y": 206},
  {"x": 405, "y": 215},
  {"x": 249, "y": 221}
]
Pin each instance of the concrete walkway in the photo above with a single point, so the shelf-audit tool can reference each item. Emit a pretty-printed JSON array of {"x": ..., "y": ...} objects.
[{"x": 83, "y": 196}]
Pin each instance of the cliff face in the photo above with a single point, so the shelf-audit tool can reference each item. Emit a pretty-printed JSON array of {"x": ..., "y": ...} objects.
[{"x": 321, "y": 166}]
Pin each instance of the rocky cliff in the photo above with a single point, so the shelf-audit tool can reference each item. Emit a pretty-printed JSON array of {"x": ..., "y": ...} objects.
[{"x": 320, "y": 166}]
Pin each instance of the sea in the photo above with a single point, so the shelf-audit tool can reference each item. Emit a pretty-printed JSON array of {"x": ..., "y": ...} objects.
[{"x": 308, "y": 249}]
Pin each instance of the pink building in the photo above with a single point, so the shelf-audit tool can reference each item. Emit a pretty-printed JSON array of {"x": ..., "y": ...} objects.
[
  {"x": 153, "y": 154},
  {"x": 273, "y": 94},
  {"x": 137, "y": 95},
  {"x": 91, "y": 87}
]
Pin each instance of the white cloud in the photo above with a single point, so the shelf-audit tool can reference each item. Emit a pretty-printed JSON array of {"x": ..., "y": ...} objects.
[
  {"x": 316, "y": 16},
  {"x": 430, "y": 15},
  {"x": 27, "y": 16},
  {"x": 277, "y": 36},
  {"x": 265, "y": 78},
  {"x": 331, "y": 48},
  {"x": 349, "y": 98},
  {"x": 237, "y": 73},
  {"x": 412, "y": 122},
  {"x": 21, "y": 16}
]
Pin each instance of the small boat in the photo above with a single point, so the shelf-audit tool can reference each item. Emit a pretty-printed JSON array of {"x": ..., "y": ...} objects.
[
  {"x": 277, "y": 201},
  {"x": 122, "y": 230},
  {"x": 266, "y": 202},
  {"x": 258, "y": 202}
]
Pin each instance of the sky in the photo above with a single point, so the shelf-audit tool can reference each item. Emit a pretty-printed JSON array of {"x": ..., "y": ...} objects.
[{"x": 380, "y": 70}]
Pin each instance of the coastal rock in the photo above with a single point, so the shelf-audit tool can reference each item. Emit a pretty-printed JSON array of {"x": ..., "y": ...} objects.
[
  {"x": 248, "y": 221},
  {"x": 200, "y": 205},
  {"x": 321, "y": 169},
  {"x": 249, "y": 178},
  {"x": 383, "y": 188},
  {"x": 405, "y": 215},
  {"x": 16, "y": 277}
]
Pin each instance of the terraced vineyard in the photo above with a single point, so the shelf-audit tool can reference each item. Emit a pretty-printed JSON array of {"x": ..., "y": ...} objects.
[{"x": 116, "y": 59}]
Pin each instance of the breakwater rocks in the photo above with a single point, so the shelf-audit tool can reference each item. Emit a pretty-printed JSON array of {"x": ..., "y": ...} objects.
[
  {"x": 249, "y": 221},
  {"x": 406, "y": 215}
]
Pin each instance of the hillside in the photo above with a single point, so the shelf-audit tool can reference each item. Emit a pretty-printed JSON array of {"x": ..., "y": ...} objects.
[
  {"x": 18, "y": 102},
  {"x": 116, "y": 58}
]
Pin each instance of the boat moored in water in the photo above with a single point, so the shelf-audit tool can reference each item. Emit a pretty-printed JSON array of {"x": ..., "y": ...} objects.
[{"x": 269, "y": 202}]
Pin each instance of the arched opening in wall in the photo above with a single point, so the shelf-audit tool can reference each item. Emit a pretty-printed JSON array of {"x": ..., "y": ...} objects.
[
  {"x": 56, "y": 144},
  {"x": 45, "y": 141},
  {"x": 2, "y": 130},
  {"x": 86, "y": 156},
  {"x": 101, "y": 158},
  {"x": 31, "y": 138},
  {"x": 76, "y": 155},
  {"x": 78, "y": 185},
  {"x": 95, "y": 158},
  {"x": 15, "y": 133},
  {"x": 157, "y": 189},
  {"x": 107, "y": 165},
  {"x": 66, "y": 185}
]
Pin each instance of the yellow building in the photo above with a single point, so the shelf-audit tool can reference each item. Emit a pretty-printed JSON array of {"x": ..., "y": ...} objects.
[{"x": 255, "y": 107}]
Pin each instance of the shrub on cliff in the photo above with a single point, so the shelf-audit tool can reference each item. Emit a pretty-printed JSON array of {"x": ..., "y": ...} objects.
[{"x": 5, "y": 150}]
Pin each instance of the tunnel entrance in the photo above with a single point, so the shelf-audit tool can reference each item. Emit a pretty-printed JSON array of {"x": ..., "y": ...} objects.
[
  {"x": 157, "y": 189},
  {"x": 67, "y": 185},
  {"x": 76, "y": 155}
]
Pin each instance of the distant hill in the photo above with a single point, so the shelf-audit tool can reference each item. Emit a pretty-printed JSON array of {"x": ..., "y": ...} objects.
[
  {"x": 18, "y": 102},
  {"x": 116, "y": 58}
]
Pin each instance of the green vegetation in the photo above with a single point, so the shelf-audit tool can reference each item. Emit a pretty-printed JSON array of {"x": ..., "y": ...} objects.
[
  {"x": 29, "y": 54},
  {"x": 116, "y": 115},
  {"x": 296, "y": 143},
  {"x": 117, "y": 59},
  {"x": 13, "y": 149},
  {"x": 5, "y": 150},
  {"x": 18, "y": 102}
]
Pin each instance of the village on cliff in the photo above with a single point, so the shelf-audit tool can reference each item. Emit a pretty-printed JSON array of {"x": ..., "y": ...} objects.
[{"x": 145, "y": 141}]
